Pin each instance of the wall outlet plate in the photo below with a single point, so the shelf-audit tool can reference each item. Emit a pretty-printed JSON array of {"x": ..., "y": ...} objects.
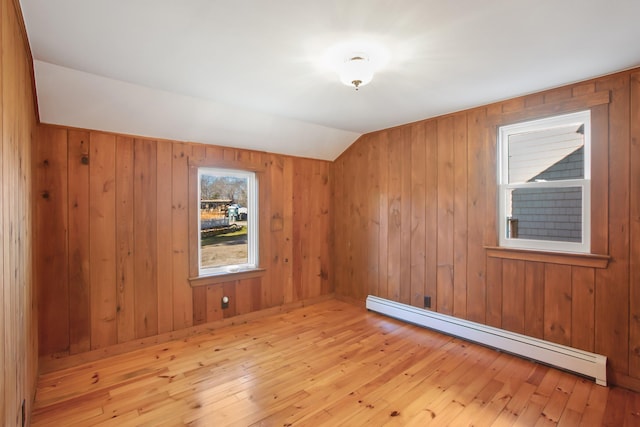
[{"x": 427, "y": 302}]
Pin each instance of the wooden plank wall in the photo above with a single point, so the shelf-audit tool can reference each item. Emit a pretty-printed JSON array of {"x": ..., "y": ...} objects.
[
  {"x": 18, "y": 333},
  {"x": 418, "y": 206},
  {"x": 112, "y": 214}
]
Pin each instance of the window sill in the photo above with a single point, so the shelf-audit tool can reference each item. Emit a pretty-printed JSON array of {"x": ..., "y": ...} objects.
[
  {"x": 580, "y": 260},
  {"x": 226, "y": 277}
]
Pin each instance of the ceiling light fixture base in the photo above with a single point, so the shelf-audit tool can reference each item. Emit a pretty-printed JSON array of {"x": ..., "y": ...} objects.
[{"x": 356, "y": 71}]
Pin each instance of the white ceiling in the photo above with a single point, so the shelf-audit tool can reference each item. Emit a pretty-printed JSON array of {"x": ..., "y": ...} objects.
[{"x": 249, "y": 73}]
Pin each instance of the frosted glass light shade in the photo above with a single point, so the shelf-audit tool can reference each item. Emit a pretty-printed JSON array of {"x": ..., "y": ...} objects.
[{"x": 356, "y": 71}]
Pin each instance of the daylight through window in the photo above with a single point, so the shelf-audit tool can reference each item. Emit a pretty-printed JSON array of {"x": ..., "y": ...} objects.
[
  {"x": 227, "y": 220},
  {"x": 544, "y": 184}
]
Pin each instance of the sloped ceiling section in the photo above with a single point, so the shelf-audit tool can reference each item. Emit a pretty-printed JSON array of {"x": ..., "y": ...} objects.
[
  {"x": 75, "y": 98},
  {"x": 252, "y": 73}
]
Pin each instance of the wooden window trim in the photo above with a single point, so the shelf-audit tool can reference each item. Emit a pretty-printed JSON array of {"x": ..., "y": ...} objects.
[
  {"x": 226, "y": 277},
  {"x": 505, "y": 186},
  {"x": 194, "y": 269},
  {"x": 225, "y": 164},
  {"x": 564, "y": 258},
  {"x": 576, "y": 103},
  {"x": 598, "y": 102}
]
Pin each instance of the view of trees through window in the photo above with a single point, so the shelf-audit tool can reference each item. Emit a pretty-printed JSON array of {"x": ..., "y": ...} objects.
[{"x": 223, "y": 220}]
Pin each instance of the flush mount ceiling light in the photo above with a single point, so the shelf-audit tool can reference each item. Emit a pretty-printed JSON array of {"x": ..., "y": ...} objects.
[
  {"x": 356, "y": 71},
  {"x": 355, "y": 62}
]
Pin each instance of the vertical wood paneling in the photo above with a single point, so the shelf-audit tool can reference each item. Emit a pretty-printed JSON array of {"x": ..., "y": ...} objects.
[
  {"x": 320, "y": 230},
  {"x": 533, "y": 100},
  {"x": 513, "y": 295},
  {"x": 583, "y": 89},
  {"x": 394, "y": 209},
  {"x": 372, "y": 193},
  {"x": 383, "y": 249},
  {"x": 256, "y": 293},
  {"x": 229, "y": 290},
  {"x": 137, "y": 202},
  {"x": 145, "y": 220},
  {"x": 634, "y": 229},
  {"x": 557, "y": 300},
  {"x": 243, "y": 296},
  {"x": 460, "y": 226},
  {"x": 431, "y": 212},
  {"x": 558, "y": 94},
  {"x": 490, "y": 167},
  {"x": 418, "y": 220},
  {"x": 125, "y": 280},
  {"x": 583, "y": 306},
  {"x": 534, "y": 299},
  {"x": 199, "y": 305},
  {"x": 163, "y": 237},
  {"x": 213, "y": 301},
  {"x": 557, "y": 303},
  {"x": 445, "y": 183},
  {"x": 414, "y": 216},
  {"x": 612, "y": 283},
  {"x": 310, "y": 284},
  {"x": 215, "y": 154},
  {"x": 51, "y": 220},
  {"x": 279, "y": 256},
  {"x": 405, "y": 216},
  {"x": 494, "y": 292},
  {"x": 338, "y": 250},
  {"x": 289, "y": 209},
  {"x": 199, "y": 154},
  {"x": 78, "y": 208},
  {"x": 18, "y": 339},
  {"x": 358, "y": 218},
  {"x": 18, "y": 328},
  {"x": 325, "y": 238},
  {"x": 476, "y": 206},
  {"x": 264, "y": 245},
  {"x": 4, "y": 384},
  {"x": 600, "y": 179},
  {"x": 3, "y": 165},
  {"x": 182, "y": 295},
  {"x": 512, "y": 105},
  {"x": 303, "y": 210},
  {"x": 102, "y": 239}
]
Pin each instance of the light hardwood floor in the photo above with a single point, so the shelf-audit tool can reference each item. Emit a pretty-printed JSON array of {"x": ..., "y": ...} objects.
[{"x": 328, "y": 364}]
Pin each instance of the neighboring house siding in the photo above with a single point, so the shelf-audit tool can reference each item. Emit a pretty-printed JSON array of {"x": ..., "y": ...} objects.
[{"x": 552, "y": 213}]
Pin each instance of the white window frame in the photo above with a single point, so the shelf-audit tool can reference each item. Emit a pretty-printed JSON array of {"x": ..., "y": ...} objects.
[
  {"x": 252, "y": 221},
  {"x": 504, "y": 187}
]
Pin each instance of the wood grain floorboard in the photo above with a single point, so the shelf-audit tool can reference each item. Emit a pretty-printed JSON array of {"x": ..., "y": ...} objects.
[{"x": 330, "y": 364}]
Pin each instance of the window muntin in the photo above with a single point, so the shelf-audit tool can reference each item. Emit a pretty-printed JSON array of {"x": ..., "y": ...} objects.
[
  {"x": 227, "y": 221},
  {"x": 544, "y": 184}
]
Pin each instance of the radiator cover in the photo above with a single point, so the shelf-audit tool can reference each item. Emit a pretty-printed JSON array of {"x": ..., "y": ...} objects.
[{"x": 581, "y": 362}]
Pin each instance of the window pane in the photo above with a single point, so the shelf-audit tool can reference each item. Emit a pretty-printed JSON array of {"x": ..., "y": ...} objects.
[
  {"x": 546, "y": 155},
  {"x": 223, "y": 220},
  {"x": 552, "y": 214}
]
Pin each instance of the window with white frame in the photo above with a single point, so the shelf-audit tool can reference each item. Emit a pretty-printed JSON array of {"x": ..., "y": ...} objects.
[
  {"x": 227, "y": 221},
  {"x": 544, "y": 175}
]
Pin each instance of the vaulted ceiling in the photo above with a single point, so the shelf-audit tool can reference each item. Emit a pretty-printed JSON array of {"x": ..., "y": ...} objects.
[{"x": 251, "y": 74}]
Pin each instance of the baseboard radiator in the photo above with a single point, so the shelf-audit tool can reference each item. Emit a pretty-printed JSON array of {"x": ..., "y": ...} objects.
[{"x": 581, "y": 362}]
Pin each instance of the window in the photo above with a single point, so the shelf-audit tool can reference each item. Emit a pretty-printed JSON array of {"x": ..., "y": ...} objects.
[
  {"x": 227, "y": 221},
  {"x": 544, "y": 184}
]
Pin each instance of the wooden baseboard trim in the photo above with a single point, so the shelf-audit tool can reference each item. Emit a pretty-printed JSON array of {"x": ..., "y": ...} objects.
[
  {"x": 624, "y": 381},
  {"x": 55, "y": 363}
]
